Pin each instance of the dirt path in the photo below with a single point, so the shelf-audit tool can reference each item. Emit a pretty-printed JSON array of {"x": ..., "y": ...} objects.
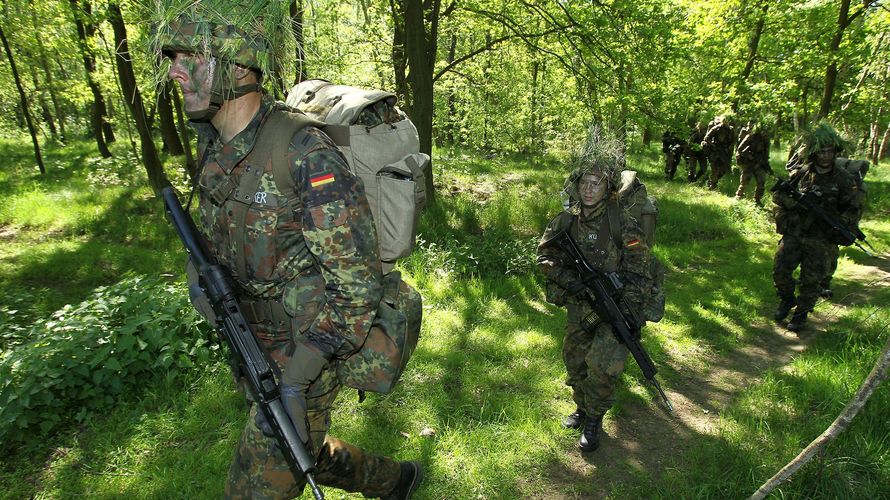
[{"x": 644, "y": 439}]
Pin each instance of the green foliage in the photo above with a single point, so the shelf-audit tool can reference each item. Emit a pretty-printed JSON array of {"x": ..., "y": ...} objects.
[{"x": 88, "y": 357}]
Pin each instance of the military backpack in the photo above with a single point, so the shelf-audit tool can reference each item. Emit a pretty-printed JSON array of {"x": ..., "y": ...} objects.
[
  {"x": 382, "y": 148},
  {"x": 634, "y": 197}
]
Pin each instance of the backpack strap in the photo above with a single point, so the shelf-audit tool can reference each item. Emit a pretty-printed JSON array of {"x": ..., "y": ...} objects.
[
  {"x": 612, "y": 213},
  {"x": 272, "y": 143}
]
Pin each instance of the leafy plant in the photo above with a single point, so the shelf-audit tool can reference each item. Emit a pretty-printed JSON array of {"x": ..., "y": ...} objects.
[{"x": 85, "y": 358}]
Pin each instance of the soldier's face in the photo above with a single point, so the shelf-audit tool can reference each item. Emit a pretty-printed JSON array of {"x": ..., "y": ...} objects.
[
  {"x": 825, "y": 158},
  {"x": 194, "y": 74},
  {"x": 592, "y": 189}
]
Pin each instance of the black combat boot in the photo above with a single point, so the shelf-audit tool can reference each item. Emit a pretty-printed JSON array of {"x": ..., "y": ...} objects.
[
  {"x": 590, "y": 436},
  {"x": 826, "y": 293},
  {"x": 575, "y": 420},
  {"x": 784, "y": 308},
  {"x": 410, "y": 476},
  {"x": 797, "y": 321}
]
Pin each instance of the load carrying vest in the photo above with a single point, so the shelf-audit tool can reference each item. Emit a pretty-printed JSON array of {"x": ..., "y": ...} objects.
[{"x": 394, "y": 333}]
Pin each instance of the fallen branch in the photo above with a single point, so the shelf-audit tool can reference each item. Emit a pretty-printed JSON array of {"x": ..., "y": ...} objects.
[{"x": 871, "y": 382}]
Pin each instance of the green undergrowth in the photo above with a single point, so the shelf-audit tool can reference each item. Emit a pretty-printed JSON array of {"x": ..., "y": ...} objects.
[{"x": 481, "y": 402}]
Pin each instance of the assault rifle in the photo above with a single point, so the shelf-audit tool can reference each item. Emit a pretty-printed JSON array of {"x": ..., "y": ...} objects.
[
  {"x": 233, "y": 328},
  {"x": 806, "y": 200},
  {"x": 602, "y": 291}
]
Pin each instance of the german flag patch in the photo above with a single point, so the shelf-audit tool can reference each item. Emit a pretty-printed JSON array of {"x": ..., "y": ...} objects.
[
  {"x": 321, "y": 180},
  {"x": 633, "y": 243}
]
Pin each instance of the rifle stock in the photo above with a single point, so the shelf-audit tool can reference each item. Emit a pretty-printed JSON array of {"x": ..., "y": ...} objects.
[
  {"x": 235, "y": 331},
  {"x": 604, "y": 288}
]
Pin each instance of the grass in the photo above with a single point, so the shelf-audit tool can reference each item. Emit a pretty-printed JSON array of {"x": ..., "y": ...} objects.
[{"x": 487, "y": 377}]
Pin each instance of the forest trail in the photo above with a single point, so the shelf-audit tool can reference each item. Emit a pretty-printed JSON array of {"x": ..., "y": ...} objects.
[{"x": 645, "y": 438}]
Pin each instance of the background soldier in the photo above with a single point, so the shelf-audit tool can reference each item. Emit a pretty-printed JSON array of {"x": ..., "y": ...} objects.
[
  {"x": 593, "y": 356},
  {"x": 310, "y": 278},
  {"x": 717, "y": 144},
  {"x": 806, "y": 240},
  {"x": 752, "y": 157},
  {"x": 696, "y": 159},
  {"x": 672, "y": 147}
]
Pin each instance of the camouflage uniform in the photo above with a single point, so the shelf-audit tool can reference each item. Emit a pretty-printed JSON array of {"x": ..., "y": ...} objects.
[
  {"x": 594, "y": 360},
  {"x": 753, "y": 160},
  {"x": 695, "y": 157},
  {"x": 672, "y": 147},
  {"x": 718, "y": 143},
  {"x": 806, "y": 240},
  {"x": 309, "y": 273}
]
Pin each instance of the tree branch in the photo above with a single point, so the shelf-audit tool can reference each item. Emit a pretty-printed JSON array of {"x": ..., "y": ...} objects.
[{"x": 871, "y": 382}]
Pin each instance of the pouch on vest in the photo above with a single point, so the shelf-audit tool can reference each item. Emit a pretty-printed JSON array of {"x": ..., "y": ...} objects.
[{"x": 377, "y": 366}]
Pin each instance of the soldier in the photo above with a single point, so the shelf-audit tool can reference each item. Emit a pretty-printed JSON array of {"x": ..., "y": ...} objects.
[
  {"x": 695, "y": 156},
  {"x": 753, "y": 160},
  {"x": 806, "y": 240},
  {"x": 672, "y": 147},
  {"x": 593, "y": 356},
  {"x": 306, "y": 261},
  {"x": 717, "y": 144}
]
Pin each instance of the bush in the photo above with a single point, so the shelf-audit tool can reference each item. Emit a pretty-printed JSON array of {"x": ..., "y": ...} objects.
[{"x": 85, "y": 357}]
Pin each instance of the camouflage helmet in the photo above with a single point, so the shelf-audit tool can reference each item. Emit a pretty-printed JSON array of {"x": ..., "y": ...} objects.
[
  {"x": 254, "y": 34},
  {"x": 602, "y": 154}
]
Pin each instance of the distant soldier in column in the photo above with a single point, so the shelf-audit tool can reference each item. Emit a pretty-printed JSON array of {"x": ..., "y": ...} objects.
[
  {"x": 752, "y": 158},
  {"x": 807, "y": 241},
  {"x": 717, "y": 144},
  {"x": 672, "y": 147},
  {"x": 696, "y": 159}
]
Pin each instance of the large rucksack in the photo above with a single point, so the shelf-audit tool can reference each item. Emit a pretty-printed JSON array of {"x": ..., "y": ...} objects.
[
  {"x": 633, "y": 197},
  {"x": 382, "y": 148}
]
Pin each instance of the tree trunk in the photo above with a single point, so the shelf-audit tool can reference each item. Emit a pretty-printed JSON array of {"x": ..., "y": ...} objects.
[
  {"x": 451, "y": 121},
  {"x": 50, "y": 84},
  {"x": 99, "y": 114},
  {"x": 399, "y": 57},
  {"x": 191, "y": 167},
  {"x": 150, "y": 158},
  {"x": 296, "y": 16},
  {"x": 753, "y": 44},
  {"x": 24, "y": 102},
  {"x": 871, "y": 382},
  {"x": 885, "y": 144},
  {"x": 831, "y": 70},
  {"x": 44, "y": 106},
  {"x": 421, "y": 51},
  {"x": 172, "y": 145}
]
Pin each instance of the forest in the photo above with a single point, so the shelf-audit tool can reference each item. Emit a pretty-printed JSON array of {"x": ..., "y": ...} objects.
[{"x": 112, "y": 385}]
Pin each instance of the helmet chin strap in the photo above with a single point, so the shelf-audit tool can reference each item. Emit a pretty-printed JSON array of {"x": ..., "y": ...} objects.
[{"x": 220, "y": 92}]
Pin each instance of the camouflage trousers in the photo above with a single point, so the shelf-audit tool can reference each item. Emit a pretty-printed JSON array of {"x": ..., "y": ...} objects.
[
  {"x": 259, "y": 471},
  {"x": 594, "y": 361},
  {"x": 720, "y": 166},
  {"x": 671, "y": 160},
  {"x": 696, "y": 166},
  {"x": 751, "y": 171},
  {"x": 812, "y": 255},
  {"x": 833, "y": 254}
]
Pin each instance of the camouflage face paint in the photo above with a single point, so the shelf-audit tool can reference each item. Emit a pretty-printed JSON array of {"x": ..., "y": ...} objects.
[
  {"x": 592, "y": 189},
  {"x": 194, "y": 74}
]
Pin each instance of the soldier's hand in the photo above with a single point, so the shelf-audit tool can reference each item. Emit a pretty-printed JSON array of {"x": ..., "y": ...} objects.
[{"x": 576, "y": 287}]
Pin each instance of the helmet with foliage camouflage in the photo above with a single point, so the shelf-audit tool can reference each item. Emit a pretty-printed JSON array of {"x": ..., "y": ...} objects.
[
  {"x": 823, "y": 136},
  {"x": 254, "y": 34},
  {"x": 603, "y": 155}
]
